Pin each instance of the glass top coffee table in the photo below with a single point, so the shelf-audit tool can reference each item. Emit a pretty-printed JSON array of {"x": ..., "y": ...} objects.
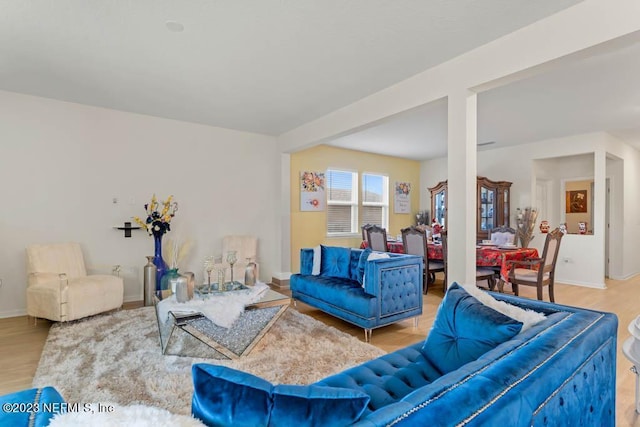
[{"x": 194, "y": 335}]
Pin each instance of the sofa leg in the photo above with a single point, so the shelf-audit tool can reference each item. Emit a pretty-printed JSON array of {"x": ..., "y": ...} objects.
[
  {"x": 415, "y": 321},
  {"x": 367, "y": 335}
]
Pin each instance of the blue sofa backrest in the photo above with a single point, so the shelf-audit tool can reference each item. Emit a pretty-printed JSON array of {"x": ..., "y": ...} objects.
[
  {"x": 547, "y": 375},
  {"x": 306, "y": 261}
]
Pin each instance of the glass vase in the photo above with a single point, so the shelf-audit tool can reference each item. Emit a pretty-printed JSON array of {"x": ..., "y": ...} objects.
[
  {"x": 168, "y": 282},
  {"x": 161, "y": 266},
  {"x": 250, "y": 273}
]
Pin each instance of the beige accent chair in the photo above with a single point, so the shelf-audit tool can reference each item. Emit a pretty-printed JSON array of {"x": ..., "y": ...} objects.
[
  {"x": 59, "y": 288},
  {"x": 245, "y": 247}
]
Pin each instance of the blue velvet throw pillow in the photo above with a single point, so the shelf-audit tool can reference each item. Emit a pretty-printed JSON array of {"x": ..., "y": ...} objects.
[
  {"x": 313, "y": 405},
  {"x": 464, "y": 329},
  {"x": 227, "y": 397},
  {"x": 335, "y": 261},
  {"x": 224, "y": 396},
  {"x": 362, "y": 262}
]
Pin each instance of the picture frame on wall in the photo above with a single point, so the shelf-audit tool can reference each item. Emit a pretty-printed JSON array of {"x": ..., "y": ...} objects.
[
  {"x": 312, "y": 191},
  {"x": 402, "y": 198},
  {"x": 576, "y": 201}
]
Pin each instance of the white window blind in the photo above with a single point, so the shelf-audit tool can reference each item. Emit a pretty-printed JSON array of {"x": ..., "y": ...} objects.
[
  {"x": 342, "y": 202},
  {"x": 375, "y": 200}
]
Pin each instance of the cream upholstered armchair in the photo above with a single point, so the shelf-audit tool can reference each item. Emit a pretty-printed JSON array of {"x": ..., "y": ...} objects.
[
  {"x": 245, "y": 247},
  {"x": 59, "y": 288}
]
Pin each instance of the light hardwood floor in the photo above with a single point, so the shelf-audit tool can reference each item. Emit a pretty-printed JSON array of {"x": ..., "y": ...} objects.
[{"x": 21, "y": 342}]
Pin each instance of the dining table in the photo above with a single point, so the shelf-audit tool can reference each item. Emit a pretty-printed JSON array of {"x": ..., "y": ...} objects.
[{"x": 486, "y": 255}]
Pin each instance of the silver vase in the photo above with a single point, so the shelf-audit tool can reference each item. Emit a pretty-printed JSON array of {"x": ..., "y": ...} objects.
[{"x": 149, "y": 281}]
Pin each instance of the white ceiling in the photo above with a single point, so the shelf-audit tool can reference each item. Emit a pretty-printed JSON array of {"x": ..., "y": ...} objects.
[
  {"x": 597, "y": 93},
  {"x": 269, "y": 66}
]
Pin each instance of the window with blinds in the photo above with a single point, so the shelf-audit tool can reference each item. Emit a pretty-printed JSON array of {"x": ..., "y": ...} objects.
[
  {"x": 342, "y": 202},
  {"x": 375, "y": 200}
]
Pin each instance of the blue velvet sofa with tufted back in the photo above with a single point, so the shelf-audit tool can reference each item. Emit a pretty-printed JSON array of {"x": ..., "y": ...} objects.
[
  {"x": 368, "y": 293},
  {"x": 561, "y": 371},
  {"x": 477, "y": 367}
]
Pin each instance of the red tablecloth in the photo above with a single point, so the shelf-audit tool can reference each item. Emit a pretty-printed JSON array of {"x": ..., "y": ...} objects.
[
  {"x": 394, "y": 246},
  {"x": 490, "y": 256}
]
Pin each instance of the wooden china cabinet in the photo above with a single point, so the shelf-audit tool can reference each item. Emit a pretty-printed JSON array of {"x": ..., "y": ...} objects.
[{"x": 493, "y": 204}]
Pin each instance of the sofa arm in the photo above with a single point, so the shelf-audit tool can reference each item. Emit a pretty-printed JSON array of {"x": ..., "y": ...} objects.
[
  {"x": 33, "y": 407},
  {"x": 396, "y": 281}
]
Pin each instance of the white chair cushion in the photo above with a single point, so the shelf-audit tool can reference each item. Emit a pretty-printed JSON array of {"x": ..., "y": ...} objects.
[
  {"x": 528, "y": 275},
  {"x": 434, "y": 265},
  {"x": 484, "y": 272},
  {"x": 85, "y": 296}
]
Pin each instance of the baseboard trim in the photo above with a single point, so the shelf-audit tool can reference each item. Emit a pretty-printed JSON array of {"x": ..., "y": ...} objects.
[
  {"x": 627, "y": 277},
  {"x": 13, "y": 313},
  {"x": 284, "y": 275},
  {"x": 583, "y": 284},
  {"x": 280, "y": 283},
  {"x": 132, "y": 298}
]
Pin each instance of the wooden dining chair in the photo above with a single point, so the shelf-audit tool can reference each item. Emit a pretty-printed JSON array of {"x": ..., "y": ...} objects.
[
  {"x": 414, "y": 242},
  {"x": 499, "y": 236},
  {"x": 538, "y": 272},
  {"x": 502, "y": 235},
  {"x": 364, "y": 231},
  {"x": 377, "y": 238},
  {"x": 482, "y": 273}
]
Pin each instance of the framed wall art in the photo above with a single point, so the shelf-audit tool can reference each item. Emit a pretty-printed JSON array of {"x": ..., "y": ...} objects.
[
  {"x": 402, "y": 198},
  {"x": 576, "y": 201},
  {"x": 312, "y": 191}
]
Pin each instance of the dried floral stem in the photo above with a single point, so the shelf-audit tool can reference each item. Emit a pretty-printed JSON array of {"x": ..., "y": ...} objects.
[
  {"x": 526, "y": 221},
  {"x": 176, "y": 252}
]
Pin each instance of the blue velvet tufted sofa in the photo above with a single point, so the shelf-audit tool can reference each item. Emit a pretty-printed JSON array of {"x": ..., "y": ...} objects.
[
  {"x": 367, "y": 293},
  {"x": 476, "y": 367}
]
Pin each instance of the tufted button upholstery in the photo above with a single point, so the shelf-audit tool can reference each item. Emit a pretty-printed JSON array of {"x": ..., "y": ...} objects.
[
  {"x": 387, "y": 379},
  {"x": 397, "y": 296}
]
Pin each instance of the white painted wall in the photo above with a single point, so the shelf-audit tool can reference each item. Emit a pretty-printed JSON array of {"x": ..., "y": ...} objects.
[
  {"x": 62, "y": 164},
  {"x": 625, "y": 193},
  {"x": 548, "y": 159}
]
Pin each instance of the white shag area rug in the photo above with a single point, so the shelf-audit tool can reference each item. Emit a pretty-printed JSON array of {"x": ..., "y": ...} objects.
[
  {"x": 116, "y": 358},
  {"x": 95, "y": 415}
]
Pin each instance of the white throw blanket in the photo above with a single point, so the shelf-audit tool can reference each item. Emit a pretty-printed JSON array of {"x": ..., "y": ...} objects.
[{"x": 222, "y": 309}]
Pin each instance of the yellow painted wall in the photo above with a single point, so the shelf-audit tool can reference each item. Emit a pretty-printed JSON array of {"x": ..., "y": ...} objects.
[{"x": 309, "y": 229}]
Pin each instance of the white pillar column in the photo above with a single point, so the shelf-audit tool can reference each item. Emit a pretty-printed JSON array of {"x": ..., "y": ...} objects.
[
  {"x": 599, "y": 207},
  {"x": 283, "y": 213},
  {"x": 461, "y": 196}
]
